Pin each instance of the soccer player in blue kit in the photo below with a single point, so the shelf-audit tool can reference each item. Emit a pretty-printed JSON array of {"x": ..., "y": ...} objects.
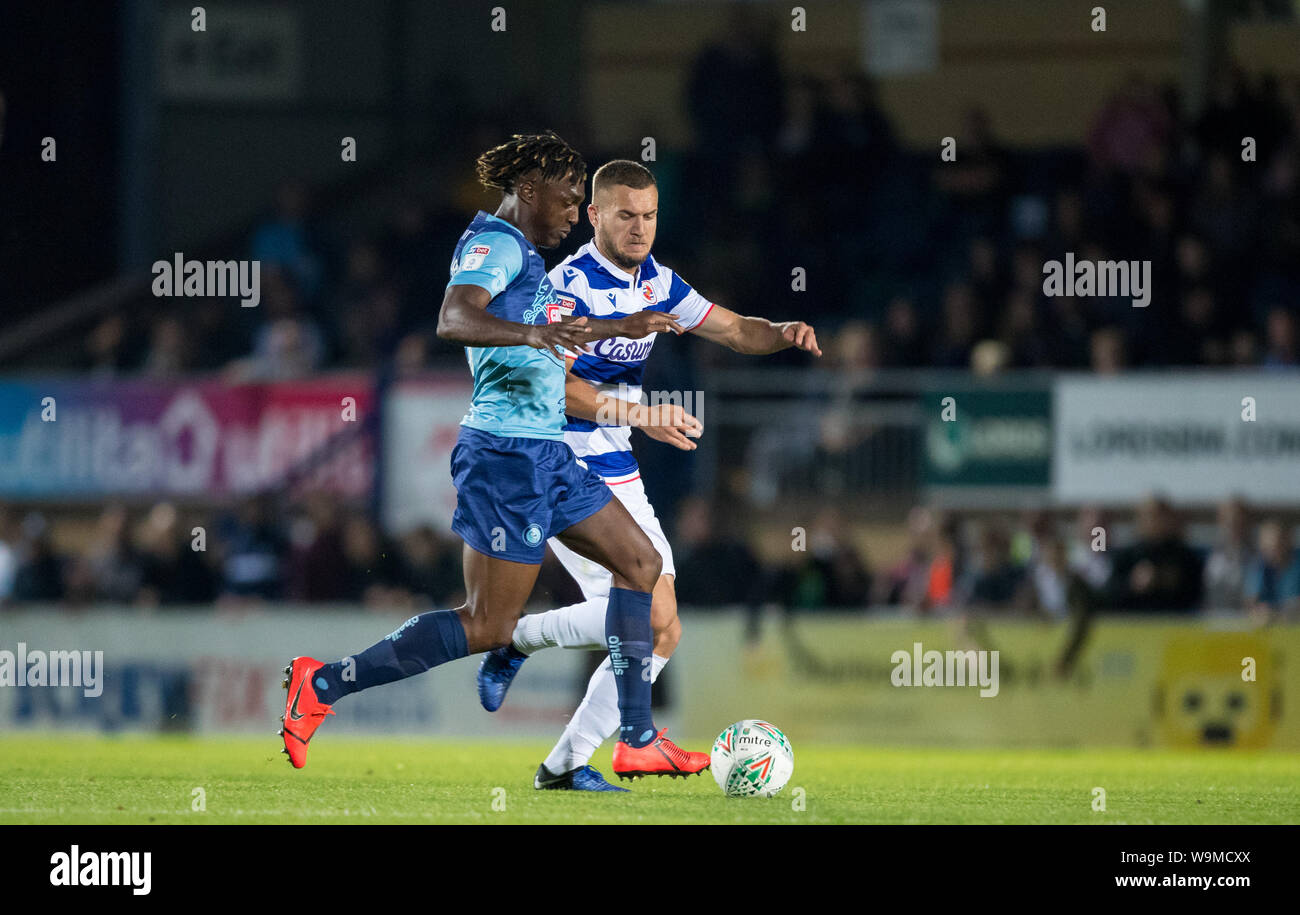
[
  {"x": 517, "y": 482},
  {"x": 615, "y": 274}
]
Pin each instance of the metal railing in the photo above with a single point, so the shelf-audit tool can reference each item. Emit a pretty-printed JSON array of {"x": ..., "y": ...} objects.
[{"x": 816, "y": 435}]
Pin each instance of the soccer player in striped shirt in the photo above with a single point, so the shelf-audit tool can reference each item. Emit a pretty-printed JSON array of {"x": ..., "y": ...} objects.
[
  {"x": 613, "y": 276},
  {"x": 517, "y": 481}
]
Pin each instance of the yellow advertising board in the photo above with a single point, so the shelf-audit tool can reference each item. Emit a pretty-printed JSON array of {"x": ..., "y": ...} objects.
[{"x": 1136, "y": 682}]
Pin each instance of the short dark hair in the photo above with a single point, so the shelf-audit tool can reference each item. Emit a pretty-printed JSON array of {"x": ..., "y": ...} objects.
[
  {"x": 625, "y": 172},
  {"x": 502, "y": 166}
]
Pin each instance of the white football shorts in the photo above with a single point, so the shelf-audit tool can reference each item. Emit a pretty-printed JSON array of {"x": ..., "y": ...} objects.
[{"x": 594, "y": 579}]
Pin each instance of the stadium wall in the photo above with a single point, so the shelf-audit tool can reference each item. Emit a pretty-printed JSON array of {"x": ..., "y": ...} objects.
[{"x": 1138, "y": 683}]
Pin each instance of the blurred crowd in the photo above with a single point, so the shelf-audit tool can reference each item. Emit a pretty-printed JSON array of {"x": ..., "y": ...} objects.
[
  {"x": 929, "y": 263},
  {"x": 1034, "y": 565},
  {"x": 318, "y": 551},
  {"x": 911, "y": 261}
]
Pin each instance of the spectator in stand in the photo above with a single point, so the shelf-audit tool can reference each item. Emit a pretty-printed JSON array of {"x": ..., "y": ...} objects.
[
  {"x": 957, "y": 332},
  {"x": 365, "y": 312},
  {"x": 904, "y": 344},
  {"x": 411, "y": 357},
  {"x": 9, "y": 546},
  {"x": 225, "y": 337},
  {"x": 986, "y": 277},
  {"x": 1227, "y": 116},
  {"x": 1225, "y": 211},
  {"x": 1159, "y": 573},
  {"x": 854, "y": 359},
  {"x": 733, "y": 96},
  {"x": 373, "y": 566},
  {"x": 714, "y": 569},
  {"x": 1089, "y": 552},
  {"x": 289, "y": 345},
  {"x": 432, "y": 568},
  {"x": 286, "y": 242},
  {"x": 116, "y": 566},
  {"x": 798, "y": 131},
  {"x": 1107, "y": 349},
  {"x": 40, "y": 571},
  {"x": 1243, "y": 350},
  {"x": 107, "y": 349},
  {"x": 1034, "y": 527},
  {"x": 1225, "y": 567},
  {"x": 169, "y": 353},
  {"x": 1030, "y": 345},
  {"x": 1051, "y": 589},
  {"x": 1132, "y": 129},
  {"x": 174, "y": 572},
  {"x": 832, "y": 573},
  {"x": 993, "y": 580},
  {"x": 988, "y": 358},
  {"x": 318, "y": 566},
  {"x": 1281, "y": 350},
  {"x": 904, "y": 583},
  {"x": 977, "y": 181},
  {"x": 254, "y": 552},
  {"x": 947, "y": 565},
  {"x": 1197, "y": 338},
  {"x": 852, "y": 135},
  {"x": 1273, "y": 580}
]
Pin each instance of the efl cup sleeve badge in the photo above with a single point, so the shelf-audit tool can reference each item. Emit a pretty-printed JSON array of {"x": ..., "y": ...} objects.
[
  {"x": 648, "y": 293},
  {"x": 562, "y": 308},
  {"x": 473, "y": 258}
]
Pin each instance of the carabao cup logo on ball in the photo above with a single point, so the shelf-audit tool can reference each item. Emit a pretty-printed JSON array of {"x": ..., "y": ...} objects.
[
  {"x": 533, "y": 534},
  {"x": 752, "y": 758}
]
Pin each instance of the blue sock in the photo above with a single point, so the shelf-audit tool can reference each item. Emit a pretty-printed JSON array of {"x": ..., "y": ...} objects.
[
  {"x": 421, "y": 643},
  {"x": 631, "y": 641}
]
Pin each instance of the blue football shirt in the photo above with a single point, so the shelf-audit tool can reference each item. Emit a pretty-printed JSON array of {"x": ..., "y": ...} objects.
[{"x": 518, "y": 390}]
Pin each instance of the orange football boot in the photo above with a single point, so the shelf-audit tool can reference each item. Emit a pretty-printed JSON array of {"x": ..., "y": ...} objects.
[
  {"x": 303, "y": 712},
  {"x": 659, "y": 757}
]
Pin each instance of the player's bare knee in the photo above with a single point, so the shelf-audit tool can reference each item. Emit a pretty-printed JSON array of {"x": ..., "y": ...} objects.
[
  {"x": 639, "y": 572},
  {"x": 482, "y": 633},
  {"x": 649, "y": 567}
]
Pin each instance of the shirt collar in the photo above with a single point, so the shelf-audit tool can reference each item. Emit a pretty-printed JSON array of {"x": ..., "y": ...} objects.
[
  {"x": 492, "y": 217},
  {"x": 614, "y": 269}
]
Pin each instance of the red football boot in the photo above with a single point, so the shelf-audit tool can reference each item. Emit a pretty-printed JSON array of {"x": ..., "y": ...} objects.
[
  {"x": 659, "y": 757},
  {"x": 303, "y": 712}
]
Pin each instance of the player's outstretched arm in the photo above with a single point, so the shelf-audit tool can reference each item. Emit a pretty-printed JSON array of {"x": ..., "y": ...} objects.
[
  {"x": 756, "y": 336},
  {"x": 634, "y": 326},
  {"x": 662, "y": 422},
  {"x": 464, "y": 319}
]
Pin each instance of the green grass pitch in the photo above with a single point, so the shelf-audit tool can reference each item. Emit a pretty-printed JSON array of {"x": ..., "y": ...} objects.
[{"x": 82, "y": 779}]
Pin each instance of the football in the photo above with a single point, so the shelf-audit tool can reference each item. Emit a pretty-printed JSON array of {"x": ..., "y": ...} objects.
[{"x": 751, "y": 758}]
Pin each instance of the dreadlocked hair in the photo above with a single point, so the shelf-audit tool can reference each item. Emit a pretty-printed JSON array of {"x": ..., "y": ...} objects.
[{"x": 502, "y": 166}]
